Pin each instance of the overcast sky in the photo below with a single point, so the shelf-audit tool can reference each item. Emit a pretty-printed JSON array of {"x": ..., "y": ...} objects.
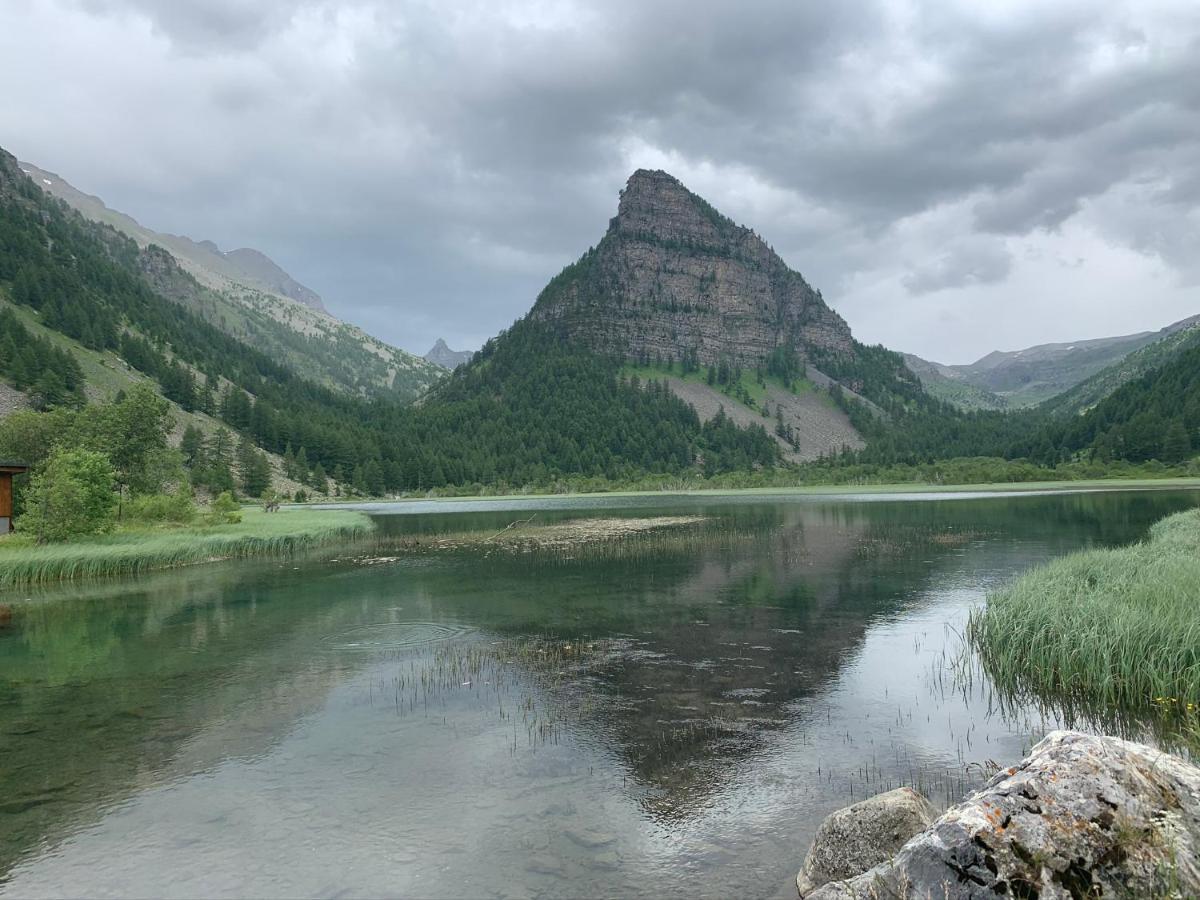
[{"x": 956, "y": 176}]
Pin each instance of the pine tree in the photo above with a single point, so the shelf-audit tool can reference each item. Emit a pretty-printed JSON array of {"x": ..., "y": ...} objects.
[
  {"x": 254, "y": 468},
  {"x": 1176, "y": 446},
  {"x": 319, "y": 482},
  {"x": 191, "y": 445}
]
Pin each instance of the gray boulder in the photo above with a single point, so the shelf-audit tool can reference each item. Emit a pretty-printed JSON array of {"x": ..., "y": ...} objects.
[
  {"x": 854, "y": 839},
  {"x": 1081, "y": 816}
]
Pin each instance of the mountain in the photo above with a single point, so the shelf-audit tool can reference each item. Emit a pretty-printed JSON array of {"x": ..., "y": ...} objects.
[
  {"x": 675, "y": 286},
  {"x": 1019, "y": 378},
  {"x": 1168, "y": 343},
  {"x": 82, "y": 316},
  {"x": 211, "y": 266},
  {"x": 441, "y": 355},
  {"x": 85, "y": 310},
  {"x": 673, "y": 275},
  {"x": 945, "y": 384},
  {"x": 1153, "y": 414},
  {"x": 249, "y": 297}
]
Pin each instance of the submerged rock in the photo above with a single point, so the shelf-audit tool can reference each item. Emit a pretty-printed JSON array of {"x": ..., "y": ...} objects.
[
  {"x": 854, "y": 839},
  {"x": 1081, "y": 816}
]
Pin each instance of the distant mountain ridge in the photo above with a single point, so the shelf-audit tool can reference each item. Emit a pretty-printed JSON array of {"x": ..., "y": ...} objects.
[
  {"x": 209, "y": 264},
  {"x": 441, "y": 355},
  {"x": 248, "y": 296},
  {"x": 1022, "y": 378},
  {"x": 1168, "y": 344}
]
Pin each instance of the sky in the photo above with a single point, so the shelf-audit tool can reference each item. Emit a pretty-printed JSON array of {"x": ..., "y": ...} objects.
[{"x": 955, "y": 176}]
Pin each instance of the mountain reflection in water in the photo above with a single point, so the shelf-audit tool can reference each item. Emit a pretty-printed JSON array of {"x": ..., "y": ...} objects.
[{"x": 302, "y": 728}]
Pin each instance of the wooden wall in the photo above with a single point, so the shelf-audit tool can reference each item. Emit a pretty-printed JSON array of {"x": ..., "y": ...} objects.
[{"x": 5, "y": 495}]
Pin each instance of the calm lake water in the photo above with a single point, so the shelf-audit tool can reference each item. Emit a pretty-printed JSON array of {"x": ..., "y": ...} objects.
[{"x": 673, "y": 716}]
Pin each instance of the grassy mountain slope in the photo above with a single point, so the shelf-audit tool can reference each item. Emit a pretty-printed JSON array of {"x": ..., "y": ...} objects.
[
  {"x": 803, "y": 419},
  {"x": 249, "y": 297},
  {"x": 245, "y": 267},
  {"x": 87, "y": 282}
]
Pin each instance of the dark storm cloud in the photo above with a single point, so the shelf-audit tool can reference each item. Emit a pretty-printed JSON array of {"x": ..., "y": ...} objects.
[{"x": 427, "y": 166}]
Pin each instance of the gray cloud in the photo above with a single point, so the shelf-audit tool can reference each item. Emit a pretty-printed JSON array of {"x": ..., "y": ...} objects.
[
  {"x": 973, "y": 263},
  {"x": 427, "y": 167}
]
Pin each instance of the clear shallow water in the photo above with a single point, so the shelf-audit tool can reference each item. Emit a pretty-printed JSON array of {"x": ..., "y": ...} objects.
[{"x": 332, "y": 728}]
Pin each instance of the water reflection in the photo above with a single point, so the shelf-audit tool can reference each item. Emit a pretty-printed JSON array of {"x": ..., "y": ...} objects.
[{"x": 753, "y": 676}]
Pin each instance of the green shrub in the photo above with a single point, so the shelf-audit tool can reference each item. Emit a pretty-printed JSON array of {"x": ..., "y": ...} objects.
[
  {"x": 179, "y": 507},
  {"x": 224, "y": 510},
  {"x": 72, "y": 495}
]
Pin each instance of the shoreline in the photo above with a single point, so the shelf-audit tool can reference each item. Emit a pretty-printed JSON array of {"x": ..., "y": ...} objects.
[
  {"x": 266, "y": 535},
  {"x": 892, "y": 490},
  {"x": 259, "y": 534}
]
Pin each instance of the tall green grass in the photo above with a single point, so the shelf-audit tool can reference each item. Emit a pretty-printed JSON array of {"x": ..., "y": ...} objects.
[
  {"x": 1118, "y": 629},
  {"x": 134, "y": 551}
]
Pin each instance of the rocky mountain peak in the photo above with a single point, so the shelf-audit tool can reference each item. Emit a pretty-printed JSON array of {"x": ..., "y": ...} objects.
[
  {"x": 673, "y": 276},
  {"x": 656, "y": 203},
  {"x": 441, "y": 355}
]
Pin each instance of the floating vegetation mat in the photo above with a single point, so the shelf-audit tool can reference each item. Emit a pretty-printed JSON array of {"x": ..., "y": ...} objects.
[{"x": 571, "y": 539}]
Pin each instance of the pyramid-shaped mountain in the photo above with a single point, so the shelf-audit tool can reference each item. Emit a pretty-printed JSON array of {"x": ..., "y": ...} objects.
[{"x": 674, "y": 276}]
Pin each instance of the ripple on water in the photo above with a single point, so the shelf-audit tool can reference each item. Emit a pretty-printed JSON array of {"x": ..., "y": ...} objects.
[{"x": 394, "y": 635}]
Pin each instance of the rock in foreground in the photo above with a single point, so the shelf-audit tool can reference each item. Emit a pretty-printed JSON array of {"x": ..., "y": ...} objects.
[
  {"x": 1081, "y": 816},
  {"x": 854, "y": 839}
]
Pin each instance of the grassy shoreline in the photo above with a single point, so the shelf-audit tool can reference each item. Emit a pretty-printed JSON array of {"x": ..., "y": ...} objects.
[
  {"x": 1115, "y": 627},
  {"x": 814, "y": 490},
  {"x": 132, "y": 551}
]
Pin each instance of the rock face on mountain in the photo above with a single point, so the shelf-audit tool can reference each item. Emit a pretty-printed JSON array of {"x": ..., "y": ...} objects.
[
  {"x": 672, "y": 276},
  {"x": 441, "y": 355}
]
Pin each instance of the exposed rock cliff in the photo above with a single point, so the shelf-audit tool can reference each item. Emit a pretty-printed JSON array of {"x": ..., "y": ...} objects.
[{"x": 672, "y": 276}]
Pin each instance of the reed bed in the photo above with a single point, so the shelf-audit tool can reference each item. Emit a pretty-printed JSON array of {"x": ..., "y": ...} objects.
[
  {"x": 1116, "y": 630},
  {"x": 259, "y": 534}
]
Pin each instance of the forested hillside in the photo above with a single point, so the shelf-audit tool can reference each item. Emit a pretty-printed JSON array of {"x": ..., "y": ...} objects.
[
  {"x": 83, "y": 281},
  {"x": 542, "y": 404},
  {"x": 246, "y": 295},
  {"x": 1155, "y": 416},
  {"x": 529, "y": 410}
]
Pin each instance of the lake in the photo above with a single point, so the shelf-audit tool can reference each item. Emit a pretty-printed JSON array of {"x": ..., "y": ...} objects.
[{"x": 672, "y": 713}]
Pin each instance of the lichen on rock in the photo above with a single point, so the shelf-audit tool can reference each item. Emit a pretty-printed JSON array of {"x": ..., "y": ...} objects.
[{"x": 1081, "y": 816}]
